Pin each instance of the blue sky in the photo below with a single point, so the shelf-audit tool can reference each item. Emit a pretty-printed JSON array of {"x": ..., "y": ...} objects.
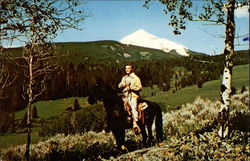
[{"x": 113, "y": 20}]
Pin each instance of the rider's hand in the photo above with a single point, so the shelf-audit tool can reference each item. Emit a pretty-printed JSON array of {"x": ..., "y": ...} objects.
[{"x": 126, "y": 84}]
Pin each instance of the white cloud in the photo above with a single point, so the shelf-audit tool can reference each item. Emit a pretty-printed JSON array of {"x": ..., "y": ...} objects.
[{"x": 242, "y": 12}]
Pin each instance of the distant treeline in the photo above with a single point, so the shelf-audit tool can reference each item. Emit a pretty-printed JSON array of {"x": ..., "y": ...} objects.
[{"x": 76, "y": 80}]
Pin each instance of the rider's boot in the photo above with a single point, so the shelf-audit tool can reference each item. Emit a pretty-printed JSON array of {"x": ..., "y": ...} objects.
[{"x": 136, "y": 128}]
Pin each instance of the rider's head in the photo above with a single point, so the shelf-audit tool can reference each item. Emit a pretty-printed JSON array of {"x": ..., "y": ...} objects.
[{"x": 129, "y": 69}]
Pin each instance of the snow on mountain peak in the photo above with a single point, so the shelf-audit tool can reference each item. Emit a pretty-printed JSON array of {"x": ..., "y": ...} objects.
[{"x": 145, "y": 39}]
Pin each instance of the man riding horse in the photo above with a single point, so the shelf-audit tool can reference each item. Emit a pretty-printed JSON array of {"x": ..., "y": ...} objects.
[
  {"x": 117, "y": 122},
  {"x": 131, "y": 86}
]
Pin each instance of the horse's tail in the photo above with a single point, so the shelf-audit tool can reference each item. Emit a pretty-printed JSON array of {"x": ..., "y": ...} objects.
[{"x": 158, "y": 123}]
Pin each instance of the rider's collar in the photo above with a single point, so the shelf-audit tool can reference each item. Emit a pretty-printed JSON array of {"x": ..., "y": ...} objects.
[{"x": 131, "y": 74}]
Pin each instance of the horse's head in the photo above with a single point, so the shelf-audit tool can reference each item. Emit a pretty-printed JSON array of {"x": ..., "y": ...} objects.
[
  {"x": 95, "y": 94},
  {"x": 100, "y": 92}
]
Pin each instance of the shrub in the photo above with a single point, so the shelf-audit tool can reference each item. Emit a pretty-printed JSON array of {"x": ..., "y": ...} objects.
[
  {"x": 7, "y": 122},
  {"x": 186, "y": 141},
  {"x": 199, "y": 84},
  {"x": 191, "y": 117},
  {"x": 202, "y": 114},
  {"x": 91, "y": 118},
  {"x": 89, "y": 146},
  {"x": 23, "y": 123},
  {"x": 243, "y": 89},
  {"x": 69, "y": 108},
  {"x": 207, "y": 146},
  {"x": 233, "y": 91},
  {"x": 184, "y": 129}
]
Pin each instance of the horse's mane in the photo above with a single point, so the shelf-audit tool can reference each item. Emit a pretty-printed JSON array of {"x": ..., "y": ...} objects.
[{"x": 111, "y": 96}]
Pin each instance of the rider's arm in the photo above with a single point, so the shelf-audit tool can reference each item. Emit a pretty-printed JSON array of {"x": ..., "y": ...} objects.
[
  {"x": 122, "y": 83},
  {"x": 137, "y": 85}
]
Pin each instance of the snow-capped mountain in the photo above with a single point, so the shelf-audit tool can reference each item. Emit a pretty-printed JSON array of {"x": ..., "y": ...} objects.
[{"x": 145, "y": 39}]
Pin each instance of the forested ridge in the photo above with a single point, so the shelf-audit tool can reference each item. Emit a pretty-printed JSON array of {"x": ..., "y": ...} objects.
[{"x": 75, "y": 79}]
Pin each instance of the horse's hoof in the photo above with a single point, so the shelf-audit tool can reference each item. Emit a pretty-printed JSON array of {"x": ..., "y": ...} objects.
[{"x": 124, "y": 149}]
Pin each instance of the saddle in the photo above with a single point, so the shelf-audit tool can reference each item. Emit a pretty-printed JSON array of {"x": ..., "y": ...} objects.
[{"x": 140, "y": 108}]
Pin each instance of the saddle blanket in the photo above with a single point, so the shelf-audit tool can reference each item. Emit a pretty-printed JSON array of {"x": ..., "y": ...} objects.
[{"x": 142, "y": 106}]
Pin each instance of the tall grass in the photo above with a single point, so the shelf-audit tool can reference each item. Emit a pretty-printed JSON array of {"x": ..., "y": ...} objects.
[
  {"x": 89, "y": 146},
  {"x": 186, "y": 139}
]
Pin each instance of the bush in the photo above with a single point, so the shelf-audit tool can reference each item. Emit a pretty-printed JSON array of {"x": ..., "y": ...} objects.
[
  {"x": 23, "y": 123},
  {"x": 243, "y": 89},
  {"x": 233, "y": 91},
  {"x": 207, "y": 146},
  {"x": 89, "y": 146},
  {"x": 7, "y": 122},
  {"x": 186, "y": 141},
  {"x": 199, "y": 84},
  {"x": 91, "y": 118},
  {"x": 202, "y": 114},
  {"x": 191, "y": 117},
  {"x": 184, "y": 128}
]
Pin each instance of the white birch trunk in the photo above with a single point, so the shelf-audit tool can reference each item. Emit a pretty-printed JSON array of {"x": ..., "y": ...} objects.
[
  {"x": 223, "y": 117},
  {"x": 30, "y": 93}
]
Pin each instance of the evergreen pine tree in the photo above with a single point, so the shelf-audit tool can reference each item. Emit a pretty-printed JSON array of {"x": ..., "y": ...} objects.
[
  {"x": 76, "y": 105},
  {"x": 34, "y": 112}
]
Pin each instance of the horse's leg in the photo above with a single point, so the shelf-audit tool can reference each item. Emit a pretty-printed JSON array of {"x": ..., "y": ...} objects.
[
  {"x": 120, "y": 139},
  {"x": 149, "y": 128},
  {"x": 122, "y": 136},
  {"x": 144, "y": 135},
  {"x": 117, "y": 138},
  {"x": 150, "y": 135}
]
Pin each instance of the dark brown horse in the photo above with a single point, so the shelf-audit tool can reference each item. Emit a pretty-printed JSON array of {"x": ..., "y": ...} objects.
[{"x": 117, "y": 117}]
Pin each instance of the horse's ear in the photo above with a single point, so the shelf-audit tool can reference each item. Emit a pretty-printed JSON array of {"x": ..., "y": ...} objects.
[
  {"x": 112, "y": 88},
  {"x": 117, "y": 90}
]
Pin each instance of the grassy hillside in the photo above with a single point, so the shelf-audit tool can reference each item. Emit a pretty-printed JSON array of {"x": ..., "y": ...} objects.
[
  {"x": 190, "y": 134},
  {"x": 53, "y": 108},
  {"x": 210, "y": 90},
  {"x": 46, "y": 110},
  {"x": 105, "y": 50},
  {"x": 112, "y": 50},
  {"x": 77, "y": 52}
]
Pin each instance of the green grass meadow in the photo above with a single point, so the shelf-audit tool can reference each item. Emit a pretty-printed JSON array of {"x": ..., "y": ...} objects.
[
  {"x": 10, "y": 140},
  {"x": 54, "y": 108},
  {"x": 45, "y": 110},
  {"x": 209, "y": 90}
]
